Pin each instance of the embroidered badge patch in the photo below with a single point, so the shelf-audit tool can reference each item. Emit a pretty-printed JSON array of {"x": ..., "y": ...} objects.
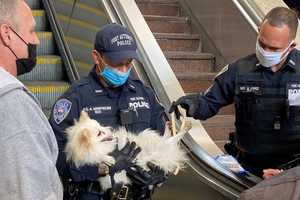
[{"x": 61, "y": 110}]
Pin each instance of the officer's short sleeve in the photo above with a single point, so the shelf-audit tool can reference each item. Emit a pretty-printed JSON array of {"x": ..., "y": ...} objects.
[{"x": 64, "y": 112}]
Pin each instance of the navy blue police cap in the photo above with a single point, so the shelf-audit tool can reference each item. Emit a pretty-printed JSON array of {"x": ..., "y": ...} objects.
[{"x": 116, "y": 43}]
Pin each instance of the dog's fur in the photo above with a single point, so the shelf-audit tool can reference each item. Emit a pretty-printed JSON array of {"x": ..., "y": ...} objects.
[{"x": 90, "y": 143}]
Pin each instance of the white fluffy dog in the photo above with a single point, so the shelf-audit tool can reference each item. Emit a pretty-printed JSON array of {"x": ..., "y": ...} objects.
[{"x": 89, "y": 143}]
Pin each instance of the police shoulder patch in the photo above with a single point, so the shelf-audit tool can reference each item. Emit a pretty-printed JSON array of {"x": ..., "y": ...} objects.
[
  {"x": 222, "y": 71},
  {"x": 61, "y": 110}
]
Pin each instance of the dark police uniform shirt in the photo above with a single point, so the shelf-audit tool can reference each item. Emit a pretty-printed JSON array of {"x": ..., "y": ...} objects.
[
  {"x": 137, "y": 101},
  {"x": 267, "y": 109}
]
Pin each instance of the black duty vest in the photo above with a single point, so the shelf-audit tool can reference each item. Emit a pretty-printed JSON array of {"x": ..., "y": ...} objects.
[{"x": 267, "y": 123}]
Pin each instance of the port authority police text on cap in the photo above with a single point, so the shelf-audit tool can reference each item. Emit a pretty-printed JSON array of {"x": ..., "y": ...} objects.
[{"x": 116, "y": 43}]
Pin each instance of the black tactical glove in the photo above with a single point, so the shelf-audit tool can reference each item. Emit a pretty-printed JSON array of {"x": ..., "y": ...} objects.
[
  {"x": 124, "y": 157},
  {"x": 189, "y": 102},
  {"x": 147, "y": 179}
]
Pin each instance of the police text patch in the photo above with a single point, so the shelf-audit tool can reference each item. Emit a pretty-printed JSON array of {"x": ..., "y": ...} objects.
[
  {"x": 61, "y": 110},
  {"x": 293, "y": 94},
  {"x": 138, "y": 102}
]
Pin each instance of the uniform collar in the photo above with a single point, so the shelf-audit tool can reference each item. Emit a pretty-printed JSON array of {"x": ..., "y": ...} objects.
[
  {"x": 100, "y": 89},
  {"x": 291, "y": 60}
]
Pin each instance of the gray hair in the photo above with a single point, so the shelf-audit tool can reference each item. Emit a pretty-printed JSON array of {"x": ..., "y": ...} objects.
[
  {"x": 8, "y": 12},
  {"x": 281, "y": 16}
]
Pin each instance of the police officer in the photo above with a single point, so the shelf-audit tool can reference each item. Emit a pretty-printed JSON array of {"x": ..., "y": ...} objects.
[
  {"x": 265, "y": 88},
  {"x": 110, "y": 96}
]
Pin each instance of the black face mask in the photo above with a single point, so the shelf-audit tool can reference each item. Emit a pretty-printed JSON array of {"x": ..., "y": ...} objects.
[{"x": 25, "y": 65}]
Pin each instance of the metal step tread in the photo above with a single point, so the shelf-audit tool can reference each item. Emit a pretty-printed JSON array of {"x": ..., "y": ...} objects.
[
  {"x": 46, "y": 86},
  {"x": 188, "y": 55},
  {"x": 79, "y": 42},
  {"x": 77, "y": 22},
  {"x": 48, "y": 59},
  {"x": 38, "y": 13},
  {"x": 185, "y": 36},
  {"x": 84, "y": 6},
  {"x": 44, "y": 34},
  {"x": 183, "y": 19}
]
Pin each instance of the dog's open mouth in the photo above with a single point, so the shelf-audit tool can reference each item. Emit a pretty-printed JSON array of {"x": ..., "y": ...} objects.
[{"x": 108, "y": 138}]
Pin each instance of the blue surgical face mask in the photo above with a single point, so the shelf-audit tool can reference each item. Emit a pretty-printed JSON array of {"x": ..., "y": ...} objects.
[
  {"x": 269, "y": 59},
  {"x": 114, "y": 77}
]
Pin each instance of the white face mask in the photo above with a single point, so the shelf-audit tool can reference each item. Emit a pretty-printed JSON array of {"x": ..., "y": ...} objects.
[{"x": 269, "y": 59}]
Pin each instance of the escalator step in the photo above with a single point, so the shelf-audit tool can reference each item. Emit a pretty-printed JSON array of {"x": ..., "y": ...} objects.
[
  {"x": 49, "y": 68},
  {"x": 83, "y": 68},
  {"x": 78, "y": 28},
  {"x": 81, "y": 50},
  {"x": 34, "y": 4},
  {"x": 47, "y": 91},
  {"x": 89, "y": 14},
  {"x": 46, "y": 46},
  {"x": 40, "y": 19}
]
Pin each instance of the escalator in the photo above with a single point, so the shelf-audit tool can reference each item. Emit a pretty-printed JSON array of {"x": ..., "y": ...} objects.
[
  {"x": 67, "y": 28},
  {"x": 53, "y": 73},
  {"x": 200, "y": 147}
]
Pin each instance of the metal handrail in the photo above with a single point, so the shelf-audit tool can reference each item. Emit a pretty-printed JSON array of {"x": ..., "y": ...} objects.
[
  {"x": 60, "y": 39},
  {"x": 167, "y": 88},
  {"x": 250, "y": 11}
]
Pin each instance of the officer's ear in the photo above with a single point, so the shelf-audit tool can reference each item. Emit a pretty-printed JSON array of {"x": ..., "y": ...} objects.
[
  {"x": 95, "y": 56},
  {"x": 5, "y": 34}
]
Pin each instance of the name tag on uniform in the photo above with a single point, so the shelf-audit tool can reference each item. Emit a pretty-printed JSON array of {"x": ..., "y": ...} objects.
[
  {"x": 98, "y": 110},
  {"x": 293, "y": 90},
  {"x": 250, "y": 89}
]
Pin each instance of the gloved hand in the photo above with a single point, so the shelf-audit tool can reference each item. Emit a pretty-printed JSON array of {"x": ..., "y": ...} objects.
[
  {"x": 146, "y": 179},
  {"x": 189, "y": 102},
  {"x": 124, "y": 157}
]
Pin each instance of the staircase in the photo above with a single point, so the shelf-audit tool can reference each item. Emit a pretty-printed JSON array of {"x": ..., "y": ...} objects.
[
  {"x": 48, "y": 80},
  {"x": 182, "y": 47}
]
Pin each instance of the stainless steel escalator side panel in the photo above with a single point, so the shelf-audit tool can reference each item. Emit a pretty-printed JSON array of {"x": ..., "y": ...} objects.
[
  {"x": 250, "y": 11},
  {"x": 214, "y": 174},
  {"x": 161, "y": 76},
  {"x": 168, "y": 89},
  {"x": 60, "y": 39},
  {"x": 257, "y": 9}
]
